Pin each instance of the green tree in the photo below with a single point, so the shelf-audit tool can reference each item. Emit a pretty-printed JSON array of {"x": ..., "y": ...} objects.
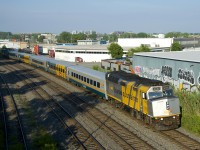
[
  {"x": 65, "y": 37},
  {"x": 79, "y": 36},
  {"x": 115, "y": 50},
  {"x": 142, "y": 48},
  {"x": 176, "y": 46},
  {"x": 93, "y": 36},
  {"x": 3, "y": 47},
  {"x": 176, "y": 35},
  {"x": 41, "y": 38},
  {"x": 105, "y": 37},
  {"x": 142, "y": 35},
  {"x": 113, "y": 37},
  {"x": 131, "y": 52}
]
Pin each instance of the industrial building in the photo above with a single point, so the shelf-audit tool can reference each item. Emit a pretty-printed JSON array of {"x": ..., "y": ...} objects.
[
  {"x": 82, "y": 53},
  {"x": 181, "y": 69},
  {"x": 117, "y": 65},
  {"x": 13, "y": 45},
  {"x": 150, "y": 42}
]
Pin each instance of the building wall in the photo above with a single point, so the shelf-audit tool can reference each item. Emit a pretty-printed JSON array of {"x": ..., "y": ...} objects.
[
  {"x": 181, "y": 74},
  {"x": 15, "y": 45},
  {"x": 86, "y": 57},
  {"x": 151, "y": 42},
  {"x": 89, "y": 53}
]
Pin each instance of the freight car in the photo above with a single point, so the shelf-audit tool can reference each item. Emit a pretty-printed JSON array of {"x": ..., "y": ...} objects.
[{"x": 151, "y": 101}]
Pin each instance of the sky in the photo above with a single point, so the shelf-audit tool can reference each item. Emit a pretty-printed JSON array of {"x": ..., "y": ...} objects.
[{"x": 102, "y": 16}]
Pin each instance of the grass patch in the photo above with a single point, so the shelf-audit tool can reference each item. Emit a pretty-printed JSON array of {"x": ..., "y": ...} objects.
[
  {"x": 190, "y": 106},
  {"x": 191, "y": 123},
  {"x": 98, "y": 68},
  {"x": 44, "y": 141}
]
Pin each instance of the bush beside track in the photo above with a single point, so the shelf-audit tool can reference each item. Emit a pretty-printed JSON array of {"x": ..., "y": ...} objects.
[{"x": 190, "y": 106}]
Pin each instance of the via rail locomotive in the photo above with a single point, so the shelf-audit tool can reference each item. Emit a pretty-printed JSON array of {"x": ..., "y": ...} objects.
[{"x": 151, "y": 101}]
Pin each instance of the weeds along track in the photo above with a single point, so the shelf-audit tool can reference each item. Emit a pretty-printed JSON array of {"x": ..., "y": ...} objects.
[
  {"x": 14, "y": 132},
  {"x": 101, "y": 123},
  {"x": 82, "y": 139}
]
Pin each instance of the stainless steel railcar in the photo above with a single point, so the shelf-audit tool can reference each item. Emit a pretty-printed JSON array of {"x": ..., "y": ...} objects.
[{"x": 88, "y": 78}]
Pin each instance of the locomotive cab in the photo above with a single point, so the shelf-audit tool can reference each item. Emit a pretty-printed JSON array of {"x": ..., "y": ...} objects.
[{"x": 163, "y": 107}]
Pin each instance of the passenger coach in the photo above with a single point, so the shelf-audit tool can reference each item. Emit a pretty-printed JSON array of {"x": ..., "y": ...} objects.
[{"x": 90, "y": 79}]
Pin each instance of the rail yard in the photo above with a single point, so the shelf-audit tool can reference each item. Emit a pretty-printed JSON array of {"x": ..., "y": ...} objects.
[{"x": 74, "y": 117}]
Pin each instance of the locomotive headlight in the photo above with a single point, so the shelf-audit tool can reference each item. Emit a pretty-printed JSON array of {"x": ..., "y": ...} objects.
[
  {"x": 174, "y": 117},
  {"x": 161, "y": 118}
]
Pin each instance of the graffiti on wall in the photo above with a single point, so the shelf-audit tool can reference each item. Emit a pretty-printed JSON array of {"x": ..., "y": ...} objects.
[
  {"x": 184, "y": 77},
  {"x": 166, "y": 71},
  {"x": 151, "y": 73},
  {"x": 198, "y": 80}
]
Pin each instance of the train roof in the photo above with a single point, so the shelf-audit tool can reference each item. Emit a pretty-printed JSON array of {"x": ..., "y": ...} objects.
[
  {"x": 88, "y": 71},
  {"x": 51, "y": 60},
  {"x": 16, "y": 52},
  {"x": 118, "y": 76}
]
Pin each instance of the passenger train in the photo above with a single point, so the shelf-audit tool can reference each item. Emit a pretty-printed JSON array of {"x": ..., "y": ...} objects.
[{"x": 151, "y": 101}]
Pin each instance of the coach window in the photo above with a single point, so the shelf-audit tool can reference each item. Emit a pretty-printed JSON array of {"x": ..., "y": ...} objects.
[
  {"x": 95, "y": 83},
  {"x": 98, "y": 84},
  {"x": 77, "y": 76},
  {"x": 81, "y": 78},
  {"x": 72, "y": 74},
  {"x": 91, "y": 82},
  {"x": 84, "y": 79},
  {"x": 87, "y": 80}
]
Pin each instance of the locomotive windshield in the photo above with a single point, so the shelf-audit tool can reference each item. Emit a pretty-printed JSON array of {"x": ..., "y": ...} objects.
[
  {"x": 157, "y": 94},
  {"x": 168, "y": 92}
]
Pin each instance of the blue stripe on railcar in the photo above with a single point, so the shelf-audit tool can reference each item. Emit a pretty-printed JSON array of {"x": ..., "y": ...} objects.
[{"x": 87, "y": 87}]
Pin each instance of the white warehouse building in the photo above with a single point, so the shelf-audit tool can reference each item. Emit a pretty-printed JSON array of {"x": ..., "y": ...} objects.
[
  {"x": 83, "y": 53},
  {"x": 151, "y": 42}
]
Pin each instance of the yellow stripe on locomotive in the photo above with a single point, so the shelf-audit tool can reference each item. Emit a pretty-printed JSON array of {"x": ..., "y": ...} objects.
[{"x": 149, "y": 100}]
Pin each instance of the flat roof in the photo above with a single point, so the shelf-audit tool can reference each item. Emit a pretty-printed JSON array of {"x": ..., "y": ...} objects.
[
  {"x": 82, "y": 47},
  {"x": 191, "y": 56}
]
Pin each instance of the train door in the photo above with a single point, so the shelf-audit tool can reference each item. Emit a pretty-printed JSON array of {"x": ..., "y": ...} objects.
[
  {"x": 26, "y": 59},
  {"x": 60, "y": 71},
  {"x": 144, "y": 103}
]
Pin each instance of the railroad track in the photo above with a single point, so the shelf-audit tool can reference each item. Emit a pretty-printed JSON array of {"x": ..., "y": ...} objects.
[
  {"x": 181, "y": 140},
  {"x": 184, "y": 141},
  {"x": 121, "y": 135},
  {"x": 83, "y": 139},
  {"x": 15, "y": 136},
  {"x": 182, "y": 144}
]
